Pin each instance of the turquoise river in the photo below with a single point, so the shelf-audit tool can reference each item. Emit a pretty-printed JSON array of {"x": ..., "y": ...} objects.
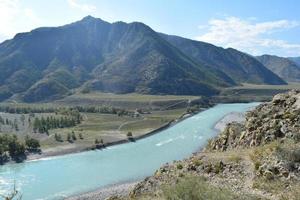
[{"x": 62, "y": 176}]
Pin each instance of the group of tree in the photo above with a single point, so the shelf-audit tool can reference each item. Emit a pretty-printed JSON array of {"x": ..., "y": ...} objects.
[
  {"x": 104, "y": 110},
  {"x": 99, "y": 143},
  {"x": 130, "y": 136},
  {"x": 60, "y": 109},
  {"x": 43, "y": 125},
  {"x": 13, "y": 124},
  {"x": 71, "y": 137},
  {"x": 27, "y": 110},
  {"x": 32, "y": 145},
  {"x": 12, "y": 148}
]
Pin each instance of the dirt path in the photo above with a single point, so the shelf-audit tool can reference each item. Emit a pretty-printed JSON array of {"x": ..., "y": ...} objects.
[{"x": 130, "y": 122}]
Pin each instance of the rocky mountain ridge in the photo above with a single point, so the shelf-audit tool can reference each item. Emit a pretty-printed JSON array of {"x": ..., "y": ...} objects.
[{"x": 49, "y": 63}]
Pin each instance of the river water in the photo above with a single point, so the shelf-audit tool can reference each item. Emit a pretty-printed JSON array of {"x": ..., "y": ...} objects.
[{"x": 62, "y": 176}]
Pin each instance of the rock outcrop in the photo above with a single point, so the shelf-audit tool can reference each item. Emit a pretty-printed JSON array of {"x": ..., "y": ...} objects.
[{"x": 278, "y": 119}]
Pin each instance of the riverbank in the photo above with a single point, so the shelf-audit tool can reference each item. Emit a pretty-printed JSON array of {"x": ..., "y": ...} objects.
[
  {"x": 120, "y": 190},
  {"x": 123, "y": 189},
  {"x": 74, "y": 148},
  {"x": 231, "y": 117}
]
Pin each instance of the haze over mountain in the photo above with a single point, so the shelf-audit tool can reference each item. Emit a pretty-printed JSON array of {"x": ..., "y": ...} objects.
[
  {"x": 91, "y": 54},
  {"x": 283, "y": 67}
]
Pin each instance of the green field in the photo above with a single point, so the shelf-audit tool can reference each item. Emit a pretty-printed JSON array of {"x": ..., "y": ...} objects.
[
  {"x": 111, "y": 127},
  {"x": 159, "y": 110},
  {"x": 128, "y": 101}
]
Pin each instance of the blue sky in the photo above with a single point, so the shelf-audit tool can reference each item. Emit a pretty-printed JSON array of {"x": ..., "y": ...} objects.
[{"x": 253, "y": 26}]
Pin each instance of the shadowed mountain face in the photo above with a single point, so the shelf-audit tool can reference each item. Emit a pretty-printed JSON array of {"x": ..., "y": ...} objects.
[
  {"x": 283, "y": 67},
  {"x": 48, "y": 63},
  {"x": 242, "y": 68}
]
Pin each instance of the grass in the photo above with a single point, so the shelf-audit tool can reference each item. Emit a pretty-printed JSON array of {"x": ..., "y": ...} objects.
[
  {"x": 235, "y": 158},
  {"x": 287, "y": 151},
  {"x": 274, "y": 87},
  {"x": 128, "y": 101},
  {"x": 110, "y": 127},
  {"x": 292, "y": 194},
  {"x": 195, "y": 188},
  {"x": 251, "y": 92},
  {"x": 130, "y": 97}
]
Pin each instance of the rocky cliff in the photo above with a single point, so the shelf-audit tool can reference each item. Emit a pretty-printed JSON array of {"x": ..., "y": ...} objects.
[{"x": 278, "y": 119}]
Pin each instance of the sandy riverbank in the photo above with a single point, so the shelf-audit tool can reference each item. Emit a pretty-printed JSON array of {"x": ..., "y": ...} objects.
[
  {"x": 231, "y": 117},
  {"x": 104, "y": 193}
]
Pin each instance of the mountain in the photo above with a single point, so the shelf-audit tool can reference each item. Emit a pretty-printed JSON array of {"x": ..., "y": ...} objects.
[
  {"x": 283, "y": 67},
  {"x": 91, "y": 54},
  {"x": 295, "y": 60},
  {"x": 48, "y": 63},
  {"x": 241, "y": 67}
]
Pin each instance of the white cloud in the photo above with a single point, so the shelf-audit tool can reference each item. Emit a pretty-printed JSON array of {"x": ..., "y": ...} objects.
[
  {"x": 15, "y": 18},
  {"x": 82, "y": 6},
  {"x": 251, "y": 37}
]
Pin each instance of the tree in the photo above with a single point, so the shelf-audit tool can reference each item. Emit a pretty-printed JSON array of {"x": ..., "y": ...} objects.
[
  {"x": 129, "y": 134},
  {"x": 97, "y": 141},
  {"x": 16, "y": 150},
  {"x": 32, "y": 144},
  {"x": 23, "y": 119},
  {"x": 74, "y": 136},
  {"x": 3, "y": 156},
  {"x": 69, "y": 138},
  {"x": 58, "y": 137}
]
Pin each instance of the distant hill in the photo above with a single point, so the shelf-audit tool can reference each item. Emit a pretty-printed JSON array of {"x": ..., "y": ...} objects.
[
  {"x": 296, "y": 60},
  {"x": 283, "y": 67},
  {"x": 91, "y": 54},
  {"x": 239, "y": 66}
]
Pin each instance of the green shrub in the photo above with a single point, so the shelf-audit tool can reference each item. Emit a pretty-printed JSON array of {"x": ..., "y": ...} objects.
[
  {"x": 195, "y": 188},
  {"x": 235, "y": 158},
  {"x": 197, "y": 162},
  {"x": 32, "y": 144},
  {"x": 179, "y": 166},
  {"x": 129, "y": 134}
]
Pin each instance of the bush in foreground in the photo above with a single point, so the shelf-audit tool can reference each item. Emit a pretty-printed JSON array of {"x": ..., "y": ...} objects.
[{"x": 195, "y": 188}]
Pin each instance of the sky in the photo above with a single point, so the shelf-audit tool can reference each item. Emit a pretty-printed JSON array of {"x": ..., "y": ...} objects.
[{"x": 253, "y": 26}]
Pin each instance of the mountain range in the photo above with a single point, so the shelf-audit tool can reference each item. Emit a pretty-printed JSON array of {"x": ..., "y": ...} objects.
[
  {"x": 296, "y": 60},
  {"x": 285, "y": 68},
  {"x": 91, "y": 54}
]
